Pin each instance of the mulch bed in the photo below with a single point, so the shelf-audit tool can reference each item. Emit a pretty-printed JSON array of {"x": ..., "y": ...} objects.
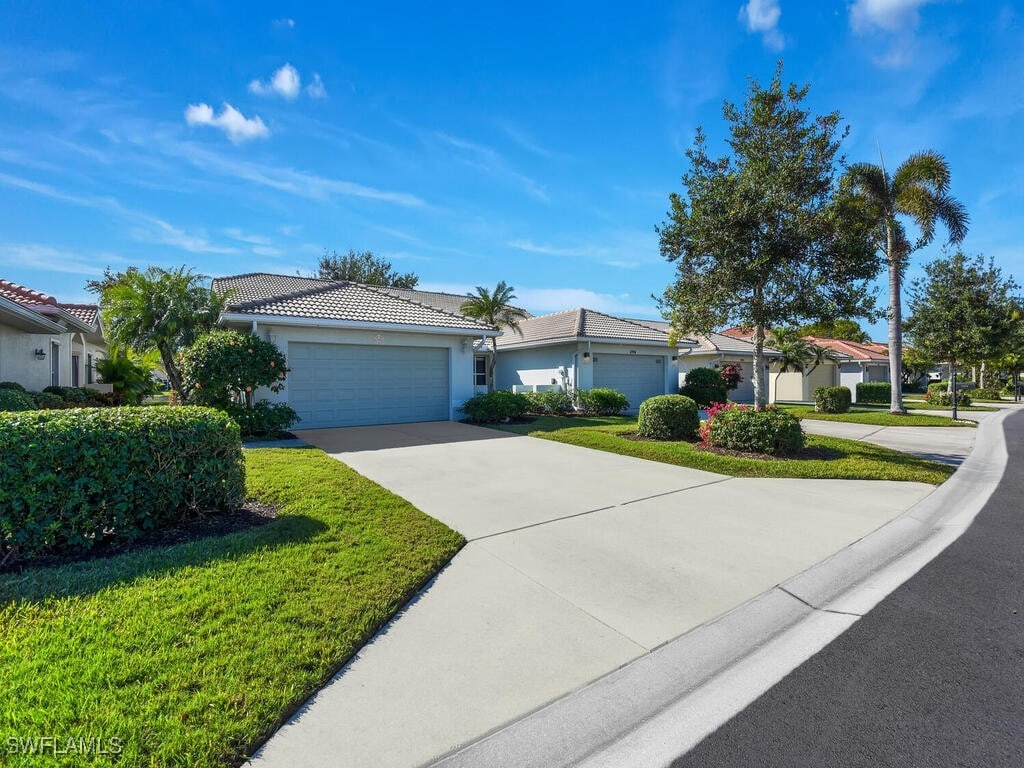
[
  {"x": 807, "y": 454},
  {"x": 250, "y": 515}
]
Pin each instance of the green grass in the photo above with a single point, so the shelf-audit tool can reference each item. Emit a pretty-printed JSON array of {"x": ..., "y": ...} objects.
[
  {"x": 921, "y": 405},
  {"x": 851, "y": 459},
  {"x": 876, "y": 416},
  {"x": 193, "y": 654}
]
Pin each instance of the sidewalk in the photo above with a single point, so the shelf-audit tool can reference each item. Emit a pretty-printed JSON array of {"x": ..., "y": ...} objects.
[
  {"x": 950, "y": 445},
  {"x": 568, "y": 578}
]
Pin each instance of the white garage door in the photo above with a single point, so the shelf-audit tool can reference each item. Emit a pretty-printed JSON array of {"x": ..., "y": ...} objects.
[
  {"x": 744, "y": 393},
  {"x": 636, "y": 376},
  {"x": 344, "y": 385}
]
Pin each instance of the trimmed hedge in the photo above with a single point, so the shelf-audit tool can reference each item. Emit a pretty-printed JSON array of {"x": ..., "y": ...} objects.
[
  {"x": 12, "y": 385},
  {"x": 71, "y": 478},
  {"x": 600, "y": 402},
  {"x": 879, "y": 392},
  {"x": 946, "y": 398},
  {"x": 989, "y": 393},
  {"x": 704, "y": 386},
  {"x": 773, "y": 432},
  {"x": 16, "y": 400},
  {"x": 501, "y": 405},
  {"x": 555, "y": 403},
  {"x": 263, "y": 419},
  {"x": 47, "y": 399},
  {"x": 832, "y": 399},
  {"x": 668, "y": 417}
]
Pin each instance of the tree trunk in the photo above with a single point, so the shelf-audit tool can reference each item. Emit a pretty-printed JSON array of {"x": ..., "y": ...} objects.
[
  {"x": 759, "y": 397},
  {"x": 981, "y": 376},
  {"x": 952, "y": 382},
  {"x": 171, "y": 369},
  {"x": 895, "y": 327}
]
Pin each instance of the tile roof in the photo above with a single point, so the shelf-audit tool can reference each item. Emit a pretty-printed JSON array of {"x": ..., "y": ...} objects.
[
  {"x": 721, "y": 342},
  {"x": 852, "y": 349},
  {"x": 22, "y": 295},
  {"x": 87, "y": 313},
  {"x": 266, "y": 294},
  {"x": 582, "y": 324},
  {"x": 47, "y": 305}
]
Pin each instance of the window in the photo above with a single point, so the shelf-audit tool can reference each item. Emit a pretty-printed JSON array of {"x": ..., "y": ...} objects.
[
  {"x": 75, "y": 363},
  {"x": 88, "y": 369},
  {"x": 480, "y": 371}
]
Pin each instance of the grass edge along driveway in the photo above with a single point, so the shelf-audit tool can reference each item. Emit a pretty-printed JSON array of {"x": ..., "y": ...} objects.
[
  {"x": 193, "y": 654},
  {"x": 877, "y": 417},
  {"x": 854, "y": 460}
]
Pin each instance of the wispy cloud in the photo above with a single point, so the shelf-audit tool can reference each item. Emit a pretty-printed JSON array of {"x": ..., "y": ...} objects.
[
  {"x": 621, "y": 250},
  {"x": 541, "y": 301},
  {"x": 762, "y": 17},
  {"x": 316, "y": 89},
  {"x": 520, "y": 137},
  {"x": 284, "y": 23},
  {"x": 285, "y": 82},
  {"x": 490, "y": 161},
  {"x": 51, "y": 259},
  {"x": 887, "y": 15},
  {"x": 236, "y": 126}
]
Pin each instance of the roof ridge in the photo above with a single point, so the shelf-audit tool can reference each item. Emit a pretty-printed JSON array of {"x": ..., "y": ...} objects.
[
  {"x": 630, "y": 321},
  {"x": 383, "y": 288}
]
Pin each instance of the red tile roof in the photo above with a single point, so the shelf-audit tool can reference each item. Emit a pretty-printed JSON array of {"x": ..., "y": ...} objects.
[
  {"x": 85, "y": 312},
  {"x": 852, "y": 349},
  {"x": 22, "y": 295}
]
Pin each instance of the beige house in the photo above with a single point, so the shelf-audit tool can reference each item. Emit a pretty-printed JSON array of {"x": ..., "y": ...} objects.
[{"x": 44, "y": 342}]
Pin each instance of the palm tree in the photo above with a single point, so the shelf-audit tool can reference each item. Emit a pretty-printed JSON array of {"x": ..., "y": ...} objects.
[
  {"x": 918, "y": 190},
  {"x": 157, "y": 309},
  {"x": 794, "y": 352},
  {"x": 494, "y": 308}
]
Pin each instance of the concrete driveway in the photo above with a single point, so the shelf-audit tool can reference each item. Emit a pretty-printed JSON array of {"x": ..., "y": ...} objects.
[
  {"x": 578, "y": 562},
  {"x": 950, "y": 445}
]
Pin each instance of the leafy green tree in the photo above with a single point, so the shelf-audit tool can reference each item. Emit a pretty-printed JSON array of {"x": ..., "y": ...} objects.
[
  {"x": 157, "y": 309},
  {"x": 494, "y": 308},
  {"x": 963, "y": 307},
  {"x": 916, "y": 364},
  {"x": 130, "y": 376},
  {"x": 918, "y": 191},
  {"x": 363, "y": 267},
  {"x": 223, "y": 366},
  {"x": 848, "y": 330},
  {"x": 760, "y": 238}
]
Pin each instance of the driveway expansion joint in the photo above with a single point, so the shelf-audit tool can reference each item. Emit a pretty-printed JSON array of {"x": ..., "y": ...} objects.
[{"x": 814, "y": 607}]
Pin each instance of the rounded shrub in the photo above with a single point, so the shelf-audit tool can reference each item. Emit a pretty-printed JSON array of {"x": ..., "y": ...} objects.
[
  {"x": 71, "y": 478},
  {"x": 988, "y": 393},
  {"x": 502, "y": 405},
  {"x": 601, "y": 401},
  {"x": 772, "y": 432},
  {"x": 668, "y": 417},
  {"x": 946, "y": 398},
  {"x": 832, "y": 399},
  {"x": 554, "y": 403},
  {"x": 12, "y": 385},
  {"x": 704, "y": 386},
  {"x": 263, "y": 419},
  {"x": 16, "y": 400},
  {"x": 47, "y": 399},
  {"x": 224, "y": 366}
]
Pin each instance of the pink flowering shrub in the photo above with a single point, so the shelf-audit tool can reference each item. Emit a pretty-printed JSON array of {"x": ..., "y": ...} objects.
[{"x": 713, "y": 410}]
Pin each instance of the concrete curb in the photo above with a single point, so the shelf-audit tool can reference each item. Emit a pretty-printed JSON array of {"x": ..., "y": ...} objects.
[{"x": 586, "y": 725}]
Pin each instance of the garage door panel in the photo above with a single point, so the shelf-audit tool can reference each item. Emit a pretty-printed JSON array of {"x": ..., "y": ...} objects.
[
  {"x": 638, "y": 377},
  {"x": 347, "y": 385}
]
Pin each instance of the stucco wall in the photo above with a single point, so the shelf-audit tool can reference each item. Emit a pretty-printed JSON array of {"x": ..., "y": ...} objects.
[{"x": 460, "y": 354}]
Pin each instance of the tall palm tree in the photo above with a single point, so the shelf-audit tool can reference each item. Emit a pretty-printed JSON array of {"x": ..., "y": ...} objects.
[
  {"x": 919, "y": 191},
  {"x": 794, "y": 352},
  {"x": 494, "y": 308}
]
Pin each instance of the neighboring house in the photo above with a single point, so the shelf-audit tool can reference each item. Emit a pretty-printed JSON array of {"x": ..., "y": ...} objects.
[
  {"x": 360, "y": 354},
  {"x": 44, "y": 342},
  {"x": 717, "y": 350},
  {"x": 586, "y": 349},
  {"x": 859, "y": 362}
]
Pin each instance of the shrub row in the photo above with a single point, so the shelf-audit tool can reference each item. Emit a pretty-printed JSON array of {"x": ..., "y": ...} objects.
[
  {"x": 879, "y": 392},
  {"x": 832, "y": 399},
  {"x": 599, "y": 402},
  {"x": 551, "y": 403},
  {"x": 14, "y": 397},
  {"x": 502, "y": 405},
  {"x": 942, "y": 397},
  {"x": 988, "y": 393},
  {"x": 71, "y": 478},
  {"x": 668, "y": 417}
]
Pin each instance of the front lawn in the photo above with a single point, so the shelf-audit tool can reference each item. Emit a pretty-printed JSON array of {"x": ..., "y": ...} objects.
[
  {"x": 847, "y": 459},
  {"x": 194, "y": 654},
  {"x": 921, "y": 405},
  {"x": 877, "y": 417}
]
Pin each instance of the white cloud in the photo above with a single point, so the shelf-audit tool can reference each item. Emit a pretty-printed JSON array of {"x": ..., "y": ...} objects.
[
  {"x": 624, "y": 250},
  {"x": 762, "y": 16},
  {"x": 235, "y": 125},
  {"x": 316, "y": 90},
  {"x": 542, "y": 301},
  {"x": 52, "y": 259},
  {"x": 887, "y": 15},
  {"x": 285, "y": 82},
  {"x": 491, "y": 162},
  {"x": 288, "y": 23}
]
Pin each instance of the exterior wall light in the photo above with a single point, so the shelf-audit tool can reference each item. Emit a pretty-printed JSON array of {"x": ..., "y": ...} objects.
[
  {"x": 40, "y": 354},
  {"x": 586, "y": 357}
]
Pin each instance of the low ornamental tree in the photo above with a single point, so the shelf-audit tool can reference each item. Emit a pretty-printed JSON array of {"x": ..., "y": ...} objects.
[
  {"x": 732, "y": 376},
  {"x": 226, "y": 367}
]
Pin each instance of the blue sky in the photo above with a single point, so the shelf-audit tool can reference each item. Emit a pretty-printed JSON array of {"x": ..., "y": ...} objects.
[{"x": 469, "y": 143}]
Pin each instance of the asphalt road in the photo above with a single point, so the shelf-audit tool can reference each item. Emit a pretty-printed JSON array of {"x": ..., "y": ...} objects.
[{"x": 932, "y": 677}]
